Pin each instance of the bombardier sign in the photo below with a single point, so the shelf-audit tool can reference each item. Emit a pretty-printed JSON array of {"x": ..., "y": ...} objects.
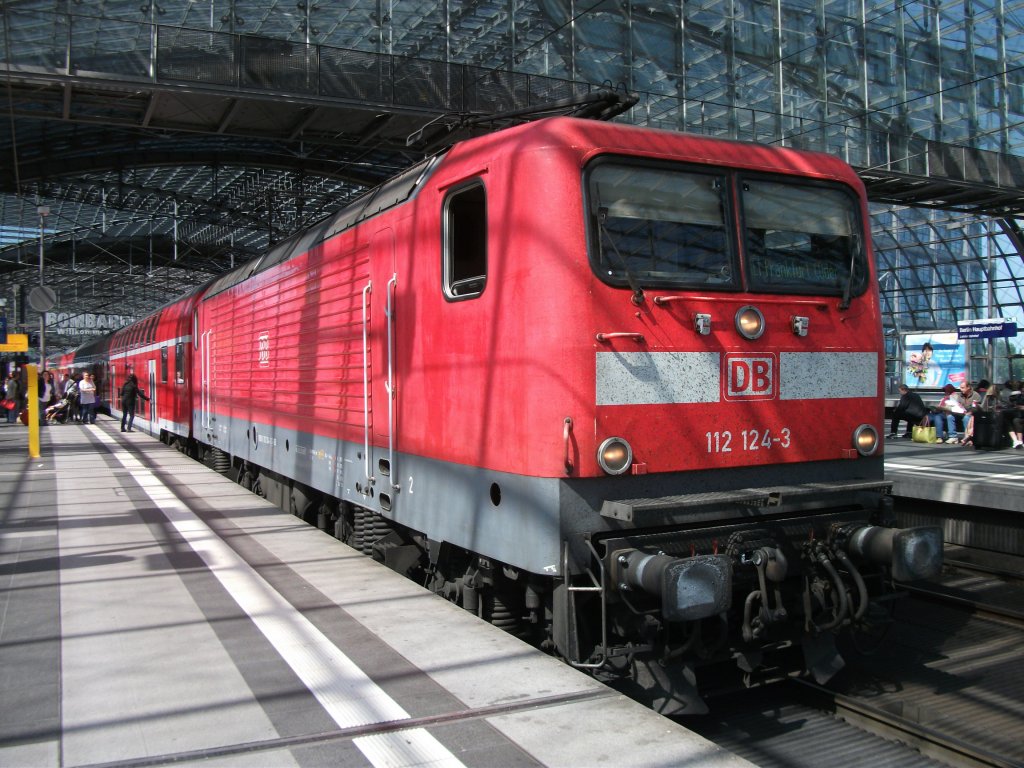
[{"x": 75, "y": 324}]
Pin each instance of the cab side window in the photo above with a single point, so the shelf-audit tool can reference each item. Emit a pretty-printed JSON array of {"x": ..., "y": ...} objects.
[{"x": 465, "y": 242}]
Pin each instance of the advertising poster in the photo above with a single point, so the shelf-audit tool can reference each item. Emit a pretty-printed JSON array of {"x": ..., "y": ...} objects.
[{"x": 933, "y": 360}]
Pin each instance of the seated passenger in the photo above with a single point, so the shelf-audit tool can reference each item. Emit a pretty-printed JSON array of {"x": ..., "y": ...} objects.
[
  {"x": 996, "y": 398},
  {"x": 1013, "y": 389},
  {"x": 990, "y": 419},
  {"x": 1013, "y": 413},
  {"x": 56, "y": 411},
  {"x": 965, "y": 402},
  {"x": 943, "y": 416},
  {"x": 910, "y": 408},
  {"x": 1017, "y": 429}
]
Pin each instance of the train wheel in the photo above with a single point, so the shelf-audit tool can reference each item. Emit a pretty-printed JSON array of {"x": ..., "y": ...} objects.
[
  {"x": 302, "y": 503},
  {"x": 326, "y": 515}
]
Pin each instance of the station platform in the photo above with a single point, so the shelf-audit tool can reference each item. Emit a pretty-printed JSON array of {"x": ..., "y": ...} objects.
[
  {"x": 153, "y": 612},
  {"x": 971, "y": 493},
  {"x": 956, "y": 474}
]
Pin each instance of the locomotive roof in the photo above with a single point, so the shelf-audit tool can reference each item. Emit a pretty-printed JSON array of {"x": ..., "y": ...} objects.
[
  {"x": 599, "y": 136},
  {"x": 596, "y": 136},
  {"x": 389, "y": 194}
]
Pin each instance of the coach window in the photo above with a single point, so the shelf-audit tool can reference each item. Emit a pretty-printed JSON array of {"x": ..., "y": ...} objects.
[
  {"x": 163, "y": 365},
  {"x": 465, "y": 242},
  {"x": 179, "y": 363}
]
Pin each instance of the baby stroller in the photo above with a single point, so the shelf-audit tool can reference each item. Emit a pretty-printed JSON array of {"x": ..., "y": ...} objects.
[{"x": 58, "y": 412}]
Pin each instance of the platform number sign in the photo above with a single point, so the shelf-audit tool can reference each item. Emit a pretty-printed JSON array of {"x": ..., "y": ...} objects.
[{"x": 264, "y": 350}]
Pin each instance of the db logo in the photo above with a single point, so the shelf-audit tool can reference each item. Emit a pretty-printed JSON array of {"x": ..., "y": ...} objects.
[
  {"x": 749, "y": 377},
  {"x": 263, "y": 342}
]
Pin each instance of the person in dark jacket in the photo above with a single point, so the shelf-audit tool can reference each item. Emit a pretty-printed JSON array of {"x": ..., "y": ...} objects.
[
  {"x": 130, "y": 393},
  {"x": 910, "y": 408},
  {"x": 13, "y": 393}
]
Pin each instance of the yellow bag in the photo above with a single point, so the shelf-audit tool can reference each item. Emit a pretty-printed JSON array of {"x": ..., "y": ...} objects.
[{"x": 924, "y": 435}]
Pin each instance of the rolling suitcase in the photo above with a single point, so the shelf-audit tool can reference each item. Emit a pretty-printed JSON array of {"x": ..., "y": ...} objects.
[{"x": 988, "y": 430}]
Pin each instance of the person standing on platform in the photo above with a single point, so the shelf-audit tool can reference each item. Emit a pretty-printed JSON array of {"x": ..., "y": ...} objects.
[
  {"x": 45, "y": 394},
  {"x": 71, "y": 393},
  {"x": 87, "y": 399},
  {"x": 130, "y": 393},
  {"x": 51, "y": 383},
  {"x": 13, "y": 393},
  {"x": 62, "y": 386}
]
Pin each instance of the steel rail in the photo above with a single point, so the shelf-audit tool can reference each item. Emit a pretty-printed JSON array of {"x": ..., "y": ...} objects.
[
  {"x": 977, "y": 607},
  {"x": 928, "y": 741}
]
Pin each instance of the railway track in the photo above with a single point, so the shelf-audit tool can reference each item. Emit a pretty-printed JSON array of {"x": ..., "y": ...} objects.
[
  {"x": 985, "y": 583},
  {"x": 944, "y": 687},
  {"x": 786, "y": 727},
  {"x": 906, "y": 730}
]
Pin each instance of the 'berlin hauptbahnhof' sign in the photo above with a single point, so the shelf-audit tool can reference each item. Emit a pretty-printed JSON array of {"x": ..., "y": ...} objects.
[{"x": 993, "y": 328}]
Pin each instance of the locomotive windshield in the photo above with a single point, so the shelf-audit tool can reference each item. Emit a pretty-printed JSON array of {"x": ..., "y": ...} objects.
[
  {"x": 800, "y": 238},
  {"x": 656, "y": 225},
  {"x": 660, "y": 227}
]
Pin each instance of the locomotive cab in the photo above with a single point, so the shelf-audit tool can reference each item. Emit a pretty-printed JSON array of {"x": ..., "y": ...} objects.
[{"x": 737, "y": 459}]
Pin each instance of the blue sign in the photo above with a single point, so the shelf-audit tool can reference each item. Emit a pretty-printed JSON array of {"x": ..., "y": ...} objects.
[
  {"x": 995, "y": 328},
  {"x": 3, "y": 328}
]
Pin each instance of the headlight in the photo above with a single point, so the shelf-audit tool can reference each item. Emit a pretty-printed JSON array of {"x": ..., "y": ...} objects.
[
  {"x": 750, "y": 322},
  {"x": 615, "y": 456},
  {"x": 865, "y": 439}
]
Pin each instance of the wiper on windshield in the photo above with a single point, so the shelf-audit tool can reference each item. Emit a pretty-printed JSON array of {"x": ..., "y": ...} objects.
[
  {"x": 602, "y": 218},
  {"x": 848, "y": 288}
]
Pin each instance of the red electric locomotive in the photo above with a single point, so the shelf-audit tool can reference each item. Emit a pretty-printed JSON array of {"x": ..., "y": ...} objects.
[{"x": 618, "y": 390}]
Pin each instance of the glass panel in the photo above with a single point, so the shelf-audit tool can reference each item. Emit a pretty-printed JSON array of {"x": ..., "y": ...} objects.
[
  {"x": 480, "y": 34},
  {"x": 656, "y": 40},
  {"x": 602, "y": 44},
  {"x": 417, "y": 28},
  {"x": 801, "y": 239},
  {"x": 353, "y": 24},
  {"x": 659, "y": 226},
  {"x": 543, "y": 39}
]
